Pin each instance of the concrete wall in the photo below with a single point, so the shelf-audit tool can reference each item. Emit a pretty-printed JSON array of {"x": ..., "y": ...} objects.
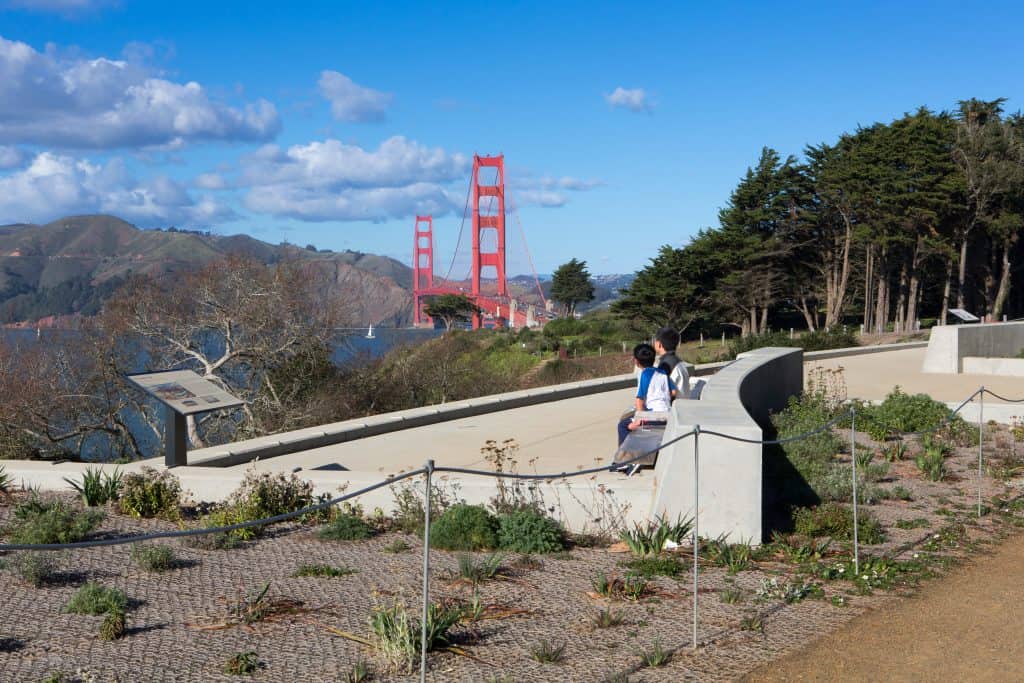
[
  {"x": 950, "y": 344},
  {"x": 1003, "y": 367},
  {"x": 737, "y": 401}
]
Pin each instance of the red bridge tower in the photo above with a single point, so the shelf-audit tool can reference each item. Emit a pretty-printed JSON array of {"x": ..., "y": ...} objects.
[{"x": 422, "y": 264}]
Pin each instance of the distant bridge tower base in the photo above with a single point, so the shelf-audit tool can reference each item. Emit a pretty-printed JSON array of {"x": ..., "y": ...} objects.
[{"x": 422, "y": 267}]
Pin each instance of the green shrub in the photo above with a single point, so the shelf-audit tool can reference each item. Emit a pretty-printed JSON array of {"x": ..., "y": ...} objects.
[
  {"x": 655, "y": 566},
  {"x": 836, "y": 521},
  {"x": 34, "y": 568},
  {"x": 819, "y": 340},
  {"x": 97, "y": 487},
  {"x": 153, "y": 558},
  {"x": 92, "y": 598},
  {"x": 346, "y": 527},
  {"x": 150, "y": 493},
  {"x": 40, "y": 521},
  {"x": 464, "y": 527},
  {"x": 528, "y": 531},
  {"x": 814, "y": 457},
  {"x": 901, "y": 413},
  {"x": 260, "y": 495}
]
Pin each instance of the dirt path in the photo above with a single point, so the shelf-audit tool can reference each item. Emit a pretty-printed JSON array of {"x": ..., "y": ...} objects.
[{"x": 967, "y": 626}]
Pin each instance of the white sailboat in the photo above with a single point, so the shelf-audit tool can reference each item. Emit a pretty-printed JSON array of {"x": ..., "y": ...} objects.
[{"x": 369, "y": 332}]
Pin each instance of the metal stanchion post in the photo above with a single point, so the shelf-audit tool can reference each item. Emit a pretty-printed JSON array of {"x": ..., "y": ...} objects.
[
  {"x": 853, "y": 458},
  {"x": 696, "y": 518},
  {"x": 981, "y": 442},
  {"x": 426, "y": 572}
]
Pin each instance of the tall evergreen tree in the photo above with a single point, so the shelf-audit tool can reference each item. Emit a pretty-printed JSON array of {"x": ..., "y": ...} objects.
[{"x": 571, "y": 285}]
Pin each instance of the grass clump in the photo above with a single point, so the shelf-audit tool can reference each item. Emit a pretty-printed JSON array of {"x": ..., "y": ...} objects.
[
  {"x": 359, "y": 673},
  {"x": 94, "y": 599},
  {"x": 398, "y": 634},
  {"x": 113, "y": 625},
  {"x": 649, "y": 538},
  {"x": 464, "y": 527},
  {"x": 916, "y": 523},
  {"x": 45, "y": 521},
  {"x": 5, "y": 482},
  {"x": 836, "y": 521},
  {"x": 154, "y": 557},
  {"x": 489, "y": 567},
  {"x": 346, "y": 527},
  {"x": 657, "y": 656},
  {"x": 150, "y": 493},
  {"x": 547, "y": 652},
  {"x": 632, "y": 587},
  {"x": 243, "y": 664},
  {"x": 323, "y": 570},
  {"x": 397, "y": 546},
  {"x": 732, "y": 595},
  {"x": 97, "y": 487},
  {"x": 931, "y": 461},
  {"x": 607, "y": 618},
  {"x": 735, "y": 557},
  {"x": 34, "y": 568},
  {"x": 529, "y": 531}
]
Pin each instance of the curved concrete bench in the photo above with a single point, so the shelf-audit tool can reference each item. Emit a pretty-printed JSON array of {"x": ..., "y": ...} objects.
[{"x": 738, "y": 401}]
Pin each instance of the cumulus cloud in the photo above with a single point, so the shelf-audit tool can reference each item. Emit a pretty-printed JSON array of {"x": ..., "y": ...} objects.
[
  {"x": 331, "y": 180},
  {"x": 547, "y": 191},
  {"x": 46, "y": 99},
  {"x": 55, "y": 185},
  {"x": 352, "y": 102},
  {"x": 635, "y": 99},
  {"x": 10, "y": 157}
]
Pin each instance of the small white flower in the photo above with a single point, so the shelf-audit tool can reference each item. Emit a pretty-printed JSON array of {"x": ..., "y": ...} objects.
[
  {"x": 865, "y": 577},
  {"x": 916, "y": 556},
  {"x": 935, "y": 536}
]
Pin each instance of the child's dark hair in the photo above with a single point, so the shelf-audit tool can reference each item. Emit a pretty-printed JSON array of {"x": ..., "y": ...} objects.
[
  {"x": 644, "y": 355},
  {"x": 668, "y": 337}
]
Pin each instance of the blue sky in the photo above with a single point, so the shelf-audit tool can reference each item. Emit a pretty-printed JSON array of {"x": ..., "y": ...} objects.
[{"x": 624, "y": 126}]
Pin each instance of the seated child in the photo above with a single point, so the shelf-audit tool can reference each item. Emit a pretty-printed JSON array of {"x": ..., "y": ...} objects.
[{"x": 655, "y": 390}]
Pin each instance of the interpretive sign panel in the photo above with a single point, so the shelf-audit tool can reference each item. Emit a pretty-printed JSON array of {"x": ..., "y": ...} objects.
[
  {"x": 964, "y": 315},
  {"x": 184, "y": 391}
]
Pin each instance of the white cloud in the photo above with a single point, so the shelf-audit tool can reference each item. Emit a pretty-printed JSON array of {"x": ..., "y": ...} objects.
[
  {"x": 54, "y": 185},
  {"x": 634, "y": 99},
  {"x": 47, "y": 99},
  {"x": 547, "y": 191},
  {"x": 66, "y": 7},
  {"x": 331, "y": 180},
  {"x": 352, "y": 102},
  {"x": 210, "y": 181},
  {"x": 10, "y": 157}
]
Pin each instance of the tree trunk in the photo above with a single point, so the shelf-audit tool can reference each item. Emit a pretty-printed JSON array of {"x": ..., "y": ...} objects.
[
  {"x": 946, "y": 292},
  {"x": 962, "y": 274},
  {"x": 869, "y": 254},
  {"x": 837, "y": 285},
  {"x": 809, "y": 317},
  {"x": 764, "y": 320},
  {"x": 1003, "y": 292}
]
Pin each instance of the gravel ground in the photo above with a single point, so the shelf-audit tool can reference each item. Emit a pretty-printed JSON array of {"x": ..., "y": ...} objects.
[{"x": 177, "y": 628}]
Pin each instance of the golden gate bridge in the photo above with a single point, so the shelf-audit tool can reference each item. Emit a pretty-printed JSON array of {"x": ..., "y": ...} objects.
[{"x": 486, "y": 284}]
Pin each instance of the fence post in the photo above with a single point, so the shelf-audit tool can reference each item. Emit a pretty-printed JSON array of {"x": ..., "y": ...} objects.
[
  {"x": 981, "y": 441},
  {"x": 696, "y": 523},
  {"x": 853, "y": 459},
  {"x": 426, "y": 573}
]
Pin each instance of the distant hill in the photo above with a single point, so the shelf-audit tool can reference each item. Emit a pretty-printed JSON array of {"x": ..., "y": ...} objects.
[
  {"x": 70, "y": 266},
  {"x": 606, "y": 288}
]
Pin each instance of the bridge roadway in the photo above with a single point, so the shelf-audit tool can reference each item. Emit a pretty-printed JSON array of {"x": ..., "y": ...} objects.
[{"x": 579, "y": 432}]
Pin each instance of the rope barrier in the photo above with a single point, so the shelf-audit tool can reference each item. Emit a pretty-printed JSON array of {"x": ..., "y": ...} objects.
[
  {"x": 120, "y": 540},
  {"x": 1003, "y": 398}
]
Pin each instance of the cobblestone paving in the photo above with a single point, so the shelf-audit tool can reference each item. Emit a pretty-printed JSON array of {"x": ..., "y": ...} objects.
[{"x": 166, "y": 640}]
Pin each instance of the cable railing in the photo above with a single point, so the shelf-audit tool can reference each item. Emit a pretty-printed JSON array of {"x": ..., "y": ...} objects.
[{"x": 429, "y": 469}]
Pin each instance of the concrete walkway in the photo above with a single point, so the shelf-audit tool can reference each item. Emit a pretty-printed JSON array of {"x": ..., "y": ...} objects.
[
  {"x": 554, "y": 437},
  {"x": 965, "y": 627},
  {"x": 872, "y": 376}
]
